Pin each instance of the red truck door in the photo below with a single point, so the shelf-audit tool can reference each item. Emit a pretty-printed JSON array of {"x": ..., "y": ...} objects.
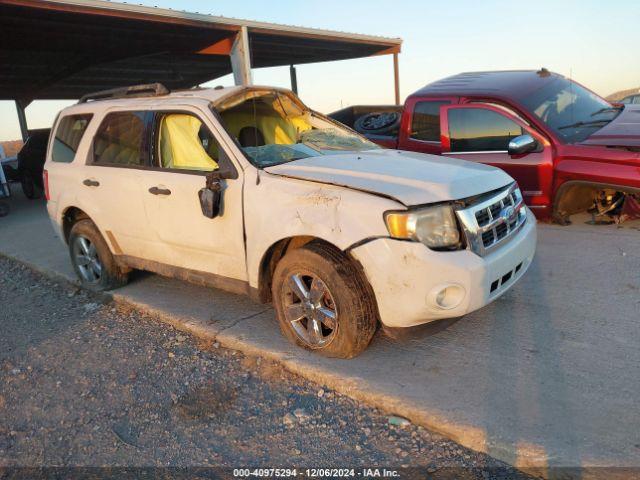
[
  {"x": 420, "y": 128},
  {"x": 481, "y": 133}
]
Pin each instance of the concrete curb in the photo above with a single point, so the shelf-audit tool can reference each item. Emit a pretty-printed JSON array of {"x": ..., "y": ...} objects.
[{"x": 528, "y": 458}]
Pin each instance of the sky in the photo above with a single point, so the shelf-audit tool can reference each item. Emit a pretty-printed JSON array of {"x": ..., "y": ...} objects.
[{"x": 593, "y": 42}]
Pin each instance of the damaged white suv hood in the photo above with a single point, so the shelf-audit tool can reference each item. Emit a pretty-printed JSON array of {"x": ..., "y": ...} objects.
[{"x": 411, "y": 178}]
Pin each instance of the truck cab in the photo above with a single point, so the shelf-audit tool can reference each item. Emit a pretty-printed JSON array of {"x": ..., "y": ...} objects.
[{"x": 567, "y": 148}]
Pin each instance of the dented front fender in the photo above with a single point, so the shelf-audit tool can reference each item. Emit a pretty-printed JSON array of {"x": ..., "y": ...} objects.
[{"x": 278, "y": 207}]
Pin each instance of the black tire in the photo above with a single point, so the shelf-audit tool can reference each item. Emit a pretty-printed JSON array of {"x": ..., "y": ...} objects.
[
  {"x": 29, "y": 187},
  {"x": 111, "y": 275},
  {"x": 4, "y": 209},
  {"x": 350, "y": 296},
  {"x": 378, "y": 123},
  {"x": 11, "y": 173}
]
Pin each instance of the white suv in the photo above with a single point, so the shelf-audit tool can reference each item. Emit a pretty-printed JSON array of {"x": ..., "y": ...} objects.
[{"x": 248, "y": 190}]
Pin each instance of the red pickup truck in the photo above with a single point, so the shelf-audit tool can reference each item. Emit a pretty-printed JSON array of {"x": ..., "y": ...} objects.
[{"x": 569, "y": 149}]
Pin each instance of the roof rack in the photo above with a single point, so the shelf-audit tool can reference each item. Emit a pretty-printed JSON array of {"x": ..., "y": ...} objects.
[{"x": 148, "y": 90}]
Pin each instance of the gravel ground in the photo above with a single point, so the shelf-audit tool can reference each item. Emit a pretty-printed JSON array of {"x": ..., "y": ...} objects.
[{"x": 83, "y": 383}]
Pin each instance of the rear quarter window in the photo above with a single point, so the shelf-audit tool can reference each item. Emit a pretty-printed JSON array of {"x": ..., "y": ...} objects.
[{"x": 68, "y": 136}]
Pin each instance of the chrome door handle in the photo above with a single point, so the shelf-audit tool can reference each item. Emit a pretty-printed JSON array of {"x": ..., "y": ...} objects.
[
  {"x": 159, "y": 191},
  {"x": 91, "y": 183}
]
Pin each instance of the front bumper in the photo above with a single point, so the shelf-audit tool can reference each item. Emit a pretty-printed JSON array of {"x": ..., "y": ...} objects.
[{"x": 406, "y": 277}]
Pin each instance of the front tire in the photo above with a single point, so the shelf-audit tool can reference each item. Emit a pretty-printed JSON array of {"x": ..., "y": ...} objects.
[
  {"x": 323, "y": 302},
  {"x": 92, "y": 260}
]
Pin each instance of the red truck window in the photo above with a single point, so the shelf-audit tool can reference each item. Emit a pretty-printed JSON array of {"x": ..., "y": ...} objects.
[
  {"x": 480, "y": 130},
  {"x": 425, "y": 124}
]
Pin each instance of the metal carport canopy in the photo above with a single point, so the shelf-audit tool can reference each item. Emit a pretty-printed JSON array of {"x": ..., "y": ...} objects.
[{"x": 63, "y": 49}]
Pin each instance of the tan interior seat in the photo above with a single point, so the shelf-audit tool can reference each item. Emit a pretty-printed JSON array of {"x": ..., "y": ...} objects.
[{"x": 120, "y": 141}]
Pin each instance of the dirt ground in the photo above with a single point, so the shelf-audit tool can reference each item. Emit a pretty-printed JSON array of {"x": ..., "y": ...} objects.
[{"x": 85, "y": 384}]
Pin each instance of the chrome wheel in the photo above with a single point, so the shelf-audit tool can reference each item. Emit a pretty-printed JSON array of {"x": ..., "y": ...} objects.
[
  {"x": 85, "y": 256},
  {"x": 310, "y": 309}
]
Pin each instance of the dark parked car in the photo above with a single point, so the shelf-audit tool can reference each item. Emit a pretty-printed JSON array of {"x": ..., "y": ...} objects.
[{"x": 31, "y": 162}]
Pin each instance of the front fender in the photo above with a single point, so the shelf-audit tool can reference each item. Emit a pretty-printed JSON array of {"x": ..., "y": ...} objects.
[{"x": 277, "y": 208}]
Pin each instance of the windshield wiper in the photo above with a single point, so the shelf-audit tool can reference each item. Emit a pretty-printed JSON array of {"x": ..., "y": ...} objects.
[
  {"x": 584, "y": 124},
  {"x": 606, "y": 109}
]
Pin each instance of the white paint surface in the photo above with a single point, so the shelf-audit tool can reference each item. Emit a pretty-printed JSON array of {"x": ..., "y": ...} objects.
[{"x": 410, "y": 177}]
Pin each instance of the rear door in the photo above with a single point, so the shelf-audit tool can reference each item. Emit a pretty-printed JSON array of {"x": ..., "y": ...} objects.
[
  {"x": 420, "y": 129},
  {"x": 184, "y": 150},
  {"x": 68, "y": 146},
  {"x": 109, "y": 184},
  {"x": 481, "y": 133}
]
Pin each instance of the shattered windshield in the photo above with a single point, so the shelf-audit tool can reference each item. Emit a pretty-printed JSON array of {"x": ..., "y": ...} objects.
[
  {"x": 272, "y": 128},
  {"x": 570, "y": 110}
]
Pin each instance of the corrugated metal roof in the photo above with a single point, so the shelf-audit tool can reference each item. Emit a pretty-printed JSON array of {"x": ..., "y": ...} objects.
[
  {"x": 66, "y": 48},
  {"x": 221, "y": 20}
]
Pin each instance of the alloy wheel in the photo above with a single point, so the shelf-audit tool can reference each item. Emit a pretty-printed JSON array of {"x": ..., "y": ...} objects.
[
  {"x": 85, "y": 256},
  {"x": 310, "y": 309}
]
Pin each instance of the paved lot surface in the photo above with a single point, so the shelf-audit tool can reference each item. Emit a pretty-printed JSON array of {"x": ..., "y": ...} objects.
[
  {"x": 546, "y": 376},
  {"x": 87, "y": 384}
]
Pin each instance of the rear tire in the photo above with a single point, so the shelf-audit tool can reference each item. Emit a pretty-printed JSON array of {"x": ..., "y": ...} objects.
[
  {"x": 29, "y": 187},
  {"x": 92, "y": 260},
  {"x": 338, "y": 299}
]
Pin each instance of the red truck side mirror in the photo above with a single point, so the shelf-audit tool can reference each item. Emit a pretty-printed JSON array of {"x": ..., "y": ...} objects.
[{"x": 523, "y": 144}]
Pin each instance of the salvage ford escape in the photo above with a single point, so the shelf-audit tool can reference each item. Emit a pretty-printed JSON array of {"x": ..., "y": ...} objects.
[{"x": 248, "y": 190}]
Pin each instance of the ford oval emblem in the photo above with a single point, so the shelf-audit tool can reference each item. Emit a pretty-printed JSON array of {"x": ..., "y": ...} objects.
[{"x": 508, "y": 214}]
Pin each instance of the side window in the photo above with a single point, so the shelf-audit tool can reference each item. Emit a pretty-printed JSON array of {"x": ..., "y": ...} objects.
[
  {"x": 185, "y": 143},
  {"x": 480, "y": 130},
  {"x": 120, "y": 140},
  {"x": 68, "y": 135},
  {"x": 425, "y": 124},
  {"x": 636, "y": 99}
]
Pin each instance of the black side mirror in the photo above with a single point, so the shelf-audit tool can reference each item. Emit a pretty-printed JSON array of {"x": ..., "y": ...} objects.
[
  {"x": 211, "y": 196},
  {"x": 523, "y": 144},
  {"x": 210, "y": 201}
]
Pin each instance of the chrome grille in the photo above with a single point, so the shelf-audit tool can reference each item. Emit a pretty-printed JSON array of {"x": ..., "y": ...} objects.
[{"x": 493, "y": 221}]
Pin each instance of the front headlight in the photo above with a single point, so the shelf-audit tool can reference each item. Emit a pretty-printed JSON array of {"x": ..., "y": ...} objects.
[{"x": 436, "y": 227}]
